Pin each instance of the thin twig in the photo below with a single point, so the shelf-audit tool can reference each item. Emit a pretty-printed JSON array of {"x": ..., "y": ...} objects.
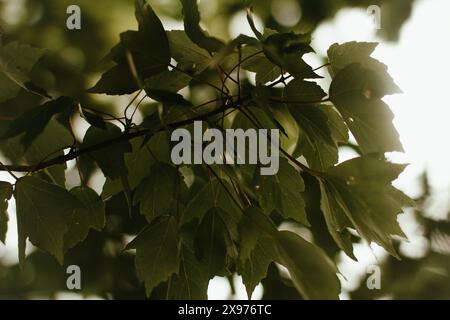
[{"x": 2, "y": 166}]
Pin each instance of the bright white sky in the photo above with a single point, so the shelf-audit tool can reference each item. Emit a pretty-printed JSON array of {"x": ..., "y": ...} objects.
[{"x": 420, "y": 65}]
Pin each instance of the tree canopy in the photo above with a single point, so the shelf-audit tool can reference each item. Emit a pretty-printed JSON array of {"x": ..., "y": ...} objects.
[{"x": 172, "y": 227}]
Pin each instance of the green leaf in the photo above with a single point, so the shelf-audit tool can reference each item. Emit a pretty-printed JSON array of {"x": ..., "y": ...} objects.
[
  {"x": 90, "y": 216},
  {"x": 257, "y": 62},
  {"x": 313, "y": 273},
  {"x": 304, "y": 91},
  {"x": 168, "y": 98},
  {"x": 16, "y": 61},
  {"x": 261, "y": 111},
  {"x": 212, "y": 242},
  {"x": 193, "y": 29},
  {"x": 361, "y": 189},
  {"x": 249, "y": 232},
  {"x": 257, "y": 248},
  {"x": 54, "y": 137},
  {"x": 6, "y": 191},
  {"x": 315, "y": 141},
  {"x": 148, "y": 60},
  {"x": 116, "y": 81},
  {"x": 277, "y": 45},
  {"x": 286, "y": 51},
  {"x": 261, "y": 96},
  {"x": 191, "y": 282},
  {"x": 94, "y": 119},
  {"x": 136, "y": 55},
  {"x": 282, "y": 192},
  {"x": 153, "y": 30},
  {"x": 138, "y": 165},
  {"x": 341, "y": 56},
  {"x": 369, "y": 119},
  {"x": 33, "y": 122},
  {"x": 157, "y": 193},
  {"x": 157, "y": 252},
  {"x": 339, "y": 130},
  {"x": 336, "y": 220},
  {"x": 231, "y": 50},
  {"x": 171, "y": 81},
  {"x": 44, "y": 212},
  {"x": 256, "y": 266},
  {"x": 190, "y": 57},
  {"x": 211, "y": 195},
  {"x": 110, "y": 159}
]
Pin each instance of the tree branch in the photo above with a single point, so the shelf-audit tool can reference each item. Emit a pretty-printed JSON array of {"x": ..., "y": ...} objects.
[{"x": 125, "y": 137}]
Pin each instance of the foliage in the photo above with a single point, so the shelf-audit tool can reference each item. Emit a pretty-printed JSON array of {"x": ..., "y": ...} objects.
[
  {"x": 193, "y": 222},
  {"x": 422, "y": 276}
]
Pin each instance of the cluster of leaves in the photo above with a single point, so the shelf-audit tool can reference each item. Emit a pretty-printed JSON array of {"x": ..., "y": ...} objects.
[
  {"x": 203, "y": 221},
  {"x": 425, "y": 275}
]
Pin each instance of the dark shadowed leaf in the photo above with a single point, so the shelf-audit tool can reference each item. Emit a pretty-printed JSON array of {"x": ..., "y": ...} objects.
[
  {"x": 157, "y": 193},
  {"x": 90, "y": 216},
  {"x": 6, "y": 191},
  {"x": 157, "y": 252},
  {"x": 193, "y": 29},
  {"x": 256, "y": 248},
  {"x": 44, "y": 212},
  {"x": 191, "y": 282},
  {"x": 33, "y": 122},
  {"x": 116, "y": 81},
  {"x": 212, "y": 242},
  {"x": 93, "y": 119},
  {"x": 286, "y": 51},
  {"x": 136, "y": 55},
  {"x": 282, "y": 192},
  {"x": 211, "y": 195},
  {"x": 255, "y": 268},
  {"x": 110, "y": 159}
]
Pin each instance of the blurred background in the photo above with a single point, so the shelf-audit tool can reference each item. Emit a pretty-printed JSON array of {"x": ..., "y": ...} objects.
[{"x": 413, "y": 45}]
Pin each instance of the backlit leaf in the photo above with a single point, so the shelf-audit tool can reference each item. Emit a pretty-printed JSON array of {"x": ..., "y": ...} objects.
[
  {"x": 282, "y": 193},
  {"x": 361, "y": 189}
]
